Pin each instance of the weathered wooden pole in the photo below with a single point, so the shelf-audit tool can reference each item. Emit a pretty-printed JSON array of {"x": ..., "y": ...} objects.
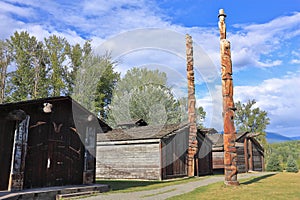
[
  {"x": 229, "y": 136},
  {"x": 191, "y": 107}
]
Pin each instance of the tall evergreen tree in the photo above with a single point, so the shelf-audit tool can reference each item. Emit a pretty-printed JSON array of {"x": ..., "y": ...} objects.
[
  {"x": 252, "y": 119},
  {"x": 273, "y": 164},
  {"x": 291, "y": 165}
]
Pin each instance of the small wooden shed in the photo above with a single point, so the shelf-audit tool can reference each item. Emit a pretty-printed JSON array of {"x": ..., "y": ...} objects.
[
  {"x": 149, "y": 152},
  {"x": 47, "y": 142},
  {"x": 250, "y": 154}
]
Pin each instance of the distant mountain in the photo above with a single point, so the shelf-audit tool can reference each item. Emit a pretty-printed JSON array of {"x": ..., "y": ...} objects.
[
  {"x": 296, "y": 138},
  {"x": 276, "y": 137}
]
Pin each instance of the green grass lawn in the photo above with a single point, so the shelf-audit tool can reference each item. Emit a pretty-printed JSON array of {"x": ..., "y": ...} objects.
[
  {"x": 280, "y": 186},
  {"x": 133, "y": 186}
]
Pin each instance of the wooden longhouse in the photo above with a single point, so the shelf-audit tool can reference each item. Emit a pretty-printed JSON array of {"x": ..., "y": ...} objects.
[
  {"x": 250, "y": 154},
  {"x": 47, "y": 142},
  {"x": 148, "y": 152}
]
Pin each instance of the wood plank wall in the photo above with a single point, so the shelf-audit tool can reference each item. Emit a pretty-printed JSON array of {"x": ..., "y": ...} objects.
[{"x": 128, "y": 161}]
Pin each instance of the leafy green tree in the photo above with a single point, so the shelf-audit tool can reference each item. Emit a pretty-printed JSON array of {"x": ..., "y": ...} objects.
[
  {"x": 5, "y": 59},
  {"x": 105, "y": 85},
  {"x": 57, "y": 49},
  {"x": 41, "y": 83},
  {"x": 22, "y": 46},
  {"x": 291, "y": 165},
  {"x": 252, "y": 119},
  {"x": 273, "y": 164},
  {"x": 94, "y": 83},
  {"x": 144, "y": 93},
  {"x": 76, "y": 54}
]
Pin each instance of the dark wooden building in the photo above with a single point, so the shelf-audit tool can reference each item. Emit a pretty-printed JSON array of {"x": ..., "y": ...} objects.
[
  {"x": 147, "y": 152},
  {"x": 47, "y": 142},
  {"x": 250, "y": 154}
]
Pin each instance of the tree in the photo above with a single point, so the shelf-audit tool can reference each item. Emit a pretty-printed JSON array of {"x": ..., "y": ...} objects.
[
  {"x": 77, "y": 54},
  {"x": 94, "y": 83},
  {"x": 144, "y": 93},
  {"x": 5, "y": 59},
  {"x": 22, "y": 46},
  {"x": 273, "y": 164},
  {"x": 252, "y": 119},
  {"x": 291, "y": 165},
  {"x": 105, "y": 85},
  {"x": 57, "y": 49}
]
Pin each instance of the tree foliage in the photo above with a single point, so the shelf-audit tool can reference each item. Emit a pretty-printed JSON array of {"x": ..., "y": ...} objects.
[
  {"x": 144, "y": 93},
  {"x": 54, "y": 67},
  {"x": 26, "y": 54},
  {"x": 252, "y": 119},
  {"x": 291, "y": 165},
  {"x": 273, "y": 164},
  {"x": 5, "y": 59},
  {"x": 94, "y": 84},
  {"x": 284, "y": 150}
]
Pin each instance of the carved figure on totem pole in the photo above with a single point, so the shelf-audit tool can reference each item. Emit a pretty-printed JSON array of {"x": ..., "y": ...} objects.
[
  {"x": 193, "y": 144},
  {"x": 229, "y": 136}
]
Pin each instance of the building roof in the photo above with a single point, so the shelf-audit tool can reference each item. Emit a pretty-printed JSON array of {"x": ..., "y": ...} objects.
[
  {"x": 141, "y": 132},
  {"x": 217, "y": 139},
  {"x": 132, "y": 123},
  {"x": 6, "y": 108}
]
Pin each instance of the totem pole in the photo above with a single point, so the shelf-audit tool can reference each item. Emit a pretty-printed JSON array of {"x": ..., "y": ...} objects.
[
  {"x": 229, "y": 136},
  {"x": 192, "y": 149}
]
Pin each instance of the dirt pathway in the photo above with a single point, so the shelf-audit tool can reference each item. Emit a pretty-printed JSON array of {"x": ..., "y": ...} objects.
[{"x": 169, "y": 191}]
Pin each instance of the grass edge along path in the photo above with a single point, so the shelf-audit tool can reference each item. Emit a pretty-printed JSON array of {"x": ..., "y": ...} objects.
[
  {"x": 278, "y": 186},
  {"x": 126, "y": 186}
]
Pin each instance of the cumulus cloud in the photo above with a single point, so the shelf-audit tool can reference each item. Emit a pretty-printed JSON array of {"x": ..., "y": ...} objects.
[{"x": 279, "y": 97}]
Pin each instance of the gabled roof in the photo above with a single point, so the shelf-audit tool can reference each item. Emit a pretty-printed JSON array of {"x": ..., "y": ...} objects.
[
  {"x": 141, "y": 132},
  {"x": 7, "y": 107}
]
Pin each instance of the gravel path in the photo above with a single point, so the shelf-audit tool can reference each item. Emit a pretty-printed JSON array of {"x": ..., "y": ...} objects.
[{"x": 169, "y": 191}]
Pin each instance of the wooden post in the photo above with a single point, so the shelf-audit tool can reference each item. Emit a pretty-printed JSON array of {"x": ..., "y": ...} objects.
[
  {"x": 230, "y": 155},
  {"x": 246, "y": 154},
  {"x": 250, "y": 156},
  {"x": 192, "y": 149},
  {"x": 16, "y": 179}
]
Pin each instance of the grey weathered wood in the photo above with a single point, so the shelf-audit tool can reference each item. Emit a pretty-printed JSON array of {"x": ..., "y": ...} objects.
[{"x": 135, "y": 161}]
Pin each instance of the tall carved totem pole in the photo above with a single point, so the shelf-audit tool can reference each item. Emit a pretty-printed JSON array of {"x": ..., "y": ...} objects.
[
  {"x": 193, "y": 144},
  {"x": 229, "y": 136}
]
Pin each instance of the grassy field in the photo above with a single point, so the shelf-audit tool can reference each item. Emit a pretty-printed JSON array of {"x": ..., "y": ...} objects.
[{"x": 280, "y": 186}]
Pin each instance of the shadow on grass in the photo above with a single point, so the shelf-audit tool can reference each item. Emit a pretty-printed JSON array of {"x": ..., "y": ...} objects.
[{"x": 257, "y": 179}]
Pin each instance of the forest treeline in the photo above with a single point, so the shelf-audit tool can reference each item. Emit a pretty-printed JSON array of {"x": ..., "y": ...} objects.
[
  {"x": 284, "y": 150},
  {"x": 31, "y": 69}
]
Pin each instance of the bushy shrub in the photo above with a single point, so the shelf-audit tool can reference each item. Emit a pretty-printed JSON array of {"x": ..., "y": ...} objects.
[
  {"x": 291, "y": 165},
  {"x": 273, "y": 164}
]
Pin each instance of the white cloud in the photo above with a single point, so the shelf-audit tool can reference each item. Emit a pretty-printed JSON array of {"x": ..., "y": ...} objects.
[
  {"x": 279, "y": 97},
  {"x": 295, "y": 61}
]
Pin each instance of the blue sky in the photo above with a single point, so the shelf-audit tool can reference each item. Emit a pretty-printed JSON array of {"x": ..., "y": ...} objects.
[{"x": 265, "y": 39}]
